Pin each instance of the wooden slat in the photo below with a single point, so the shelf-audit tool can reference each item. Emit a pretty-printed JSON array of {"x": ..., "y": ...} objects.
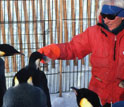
[
  {"x": 89, "y": 12},
  {"x": 50, "y": 26},
  {"x": 96, "y": 8},
  {"x": 81, "y": 19},
  {"x": 42, "y": 21},
  {"x": 2, "y": 24},
  {"x": 61, "y": 29},
  {"x": 73, "y": 17},
  {"x": 81, "y": 15},
  {"x": 89, "y": 19},
  {"x": 35, "y": 23},
  {"x": 27, "y": 27},
  {"x": 43, "y": 29},
  {"x": 11, "y": 33},
  {"x": 65, "y": 24},
  {"x": 10, "y": 20},
  {"x": 19, "y": 32},
  {"x": 3, "y": 34},
  {"x": 49, "y": 20},
  {"x": 57, "y": 20},
  {"x": 73, "y": 22}
]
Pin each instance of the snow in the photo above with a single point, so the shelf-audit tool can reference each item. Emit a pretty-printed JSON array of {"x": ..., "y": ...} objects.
[{"x": 68, "y": 99}]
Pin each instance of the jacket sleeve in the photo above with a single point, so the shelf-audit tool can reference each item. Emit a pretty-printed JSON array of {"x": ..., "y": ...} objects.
[{"x": 78, "y": 47}]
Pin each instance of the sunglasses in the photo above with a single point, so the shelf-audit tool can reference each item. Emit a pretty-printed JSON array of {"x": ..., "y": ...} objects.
[{"x": 110, "y": 16}]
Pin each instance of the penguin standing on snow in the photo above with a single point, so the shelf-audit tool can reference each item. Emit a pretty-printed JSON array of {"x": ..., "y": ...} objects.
[
  {"x": 38, "y": 77},
  {"x": 86, "y": 98}
]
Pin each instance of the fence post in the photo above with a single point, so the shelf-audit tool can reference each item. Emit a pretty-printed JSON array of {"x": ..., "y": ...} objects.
[{"x": 60, "y": 82}]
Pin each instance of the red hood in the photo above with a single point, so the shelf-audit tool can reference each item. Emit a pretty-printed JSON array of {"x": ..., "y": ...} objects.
[{"x": 100, "y": 19}]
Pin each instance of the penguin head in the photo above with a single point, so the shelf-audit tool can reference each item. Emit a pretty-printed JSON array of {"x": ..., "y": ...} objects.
[
  {"x": 86, "y": 98},
  {"x": 31, "y": 70},
  {"x": 8, "y": 50},
  {"x": 35, "y": 59}
]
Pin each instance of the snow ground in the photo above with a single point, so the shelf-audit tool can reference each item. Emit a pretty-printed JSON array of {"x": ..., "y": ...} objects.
[{"x": 68, "y": 99}]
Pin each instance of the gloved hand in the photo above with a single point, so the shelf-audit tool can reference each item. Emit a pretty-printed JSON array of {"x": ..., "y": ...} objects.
[
  {"x": 52, "y": 51},
  {"x": 121, "y": 84}
]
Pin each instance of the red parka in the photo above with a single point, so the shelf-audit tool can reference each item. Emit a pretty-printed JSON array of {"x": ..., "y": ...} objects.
[{"x": 107, "y": 59}]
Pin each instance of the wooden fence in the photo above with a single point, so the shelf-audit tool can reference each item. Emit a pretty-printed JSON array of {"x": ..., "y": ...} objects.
[{"x": 31, "y": 24}]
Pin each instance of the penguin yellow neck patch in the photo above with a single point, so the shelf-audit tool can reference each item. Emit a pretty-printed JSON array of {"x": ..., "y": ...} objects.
[
  {"x": 2, "y": 53},
  {"x": 85, "y": 103}
]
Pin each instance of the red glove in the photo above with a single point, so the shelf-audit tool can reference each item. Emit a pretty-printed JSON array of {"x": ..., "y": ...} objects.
[{"x": 52, "y": 51}]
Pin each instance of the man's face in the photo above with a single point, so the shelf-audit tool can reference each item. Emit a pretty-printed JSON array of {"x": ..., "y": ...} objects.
[{"x": 112, "y": 24}]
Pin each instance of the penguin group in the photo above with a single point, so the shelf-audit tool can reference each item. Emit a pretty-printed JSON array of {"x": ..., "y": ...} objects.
[{"x": 29, "y": 85}]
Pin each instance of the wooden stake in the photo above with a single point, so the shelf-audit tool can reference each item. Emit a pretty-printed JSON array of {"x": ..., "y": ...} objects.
[
  {"x": 81, "y": 17},
  {"x": 65, "y": 24},
  {"x": 61, "y": 27},
  {"x": 89, "y": 19},
  {"x": 50, "y": 26}
]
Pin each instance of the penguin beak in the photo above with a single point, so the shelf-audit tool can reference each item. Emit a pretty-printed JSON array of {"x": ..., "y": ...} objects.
[
  {"x": 85, "y": 103},
  {"x": 2, "y": 53}
]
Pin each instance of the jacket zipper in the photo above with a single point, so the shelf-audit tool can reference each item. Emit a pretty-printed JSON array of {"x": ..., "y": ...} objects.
[{"x": 115, "y": 48}]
